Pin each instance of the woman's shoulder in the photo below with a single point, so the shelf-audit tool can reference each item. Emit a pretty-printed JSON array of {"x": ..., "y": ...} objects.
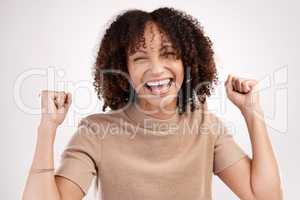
[
  {"x": 103, "y": 117},
  {"x": 106, "y": 125},
  {"x": 99, "y": 122},
  {"x": 209, "y": 120}
]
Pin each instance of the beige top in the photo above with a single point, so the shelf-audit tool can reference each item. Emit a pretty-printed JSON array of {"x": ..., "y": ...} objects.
[{"x": 137, "y": 157}]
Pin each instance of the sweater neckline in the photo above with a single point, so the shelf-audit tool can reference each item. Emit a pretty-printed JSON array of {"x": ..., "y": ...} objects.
[{"x": 144, "y": 119}]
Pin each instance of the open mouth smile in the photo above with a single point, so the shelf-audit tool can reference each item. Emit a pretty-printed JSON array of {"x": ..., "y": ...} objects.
[{"x": 159, "y": 87}]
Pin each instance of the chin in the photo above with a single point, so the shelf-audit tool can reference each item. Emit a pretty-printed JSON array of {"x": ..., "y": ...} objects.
[{"x": 162, "y": 101}]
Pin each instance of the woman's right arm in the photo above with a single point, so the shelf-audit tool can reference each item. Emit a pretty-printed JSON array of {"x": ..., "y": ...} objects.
[{"x": 42, "y": 184}]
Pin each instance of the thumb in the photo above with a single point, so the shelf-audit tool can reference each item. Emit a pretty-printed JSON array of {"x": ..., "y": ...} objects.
[
  {"x": 68, "y": 100},
  {"x": 228, "y": 84}
]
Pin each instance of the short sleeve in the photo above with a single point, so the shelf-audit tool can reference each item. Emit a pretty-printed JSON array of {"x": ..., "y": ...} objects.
[
  {"x": 80, "y": 158},
  {"x": 226, "y": 150}
]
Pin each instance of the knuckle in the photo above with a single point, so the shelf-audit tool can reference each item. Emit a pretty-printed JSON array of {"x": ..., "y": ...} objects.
[{"x": 61, "y": 94}]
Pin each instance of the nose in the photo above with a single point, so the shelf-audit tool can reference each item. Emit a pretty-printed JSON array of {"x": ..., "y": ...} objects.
[{"x": 157, "y": 68}]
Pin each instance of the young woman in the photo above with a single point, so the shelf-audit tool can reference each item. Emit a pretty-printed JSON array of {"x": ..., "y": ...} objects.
[{"x": 154, "y": 71}]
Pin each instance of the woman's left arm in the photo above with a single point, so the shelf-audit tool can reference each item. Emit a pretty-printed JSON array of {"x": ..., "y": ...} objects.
[{"x": 256, "y": 178}]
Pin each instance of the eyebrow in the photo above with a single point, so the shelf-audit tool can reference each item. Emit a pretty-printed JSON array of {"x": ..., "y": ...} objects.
[
  {"x": 140, "y": 51},
  {"x": 167, "y": 45}
]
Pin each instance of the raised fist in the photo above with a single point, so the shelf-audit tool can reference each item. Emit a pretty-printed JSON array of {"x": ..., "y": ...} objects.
[{"x": 54, "y": 106}]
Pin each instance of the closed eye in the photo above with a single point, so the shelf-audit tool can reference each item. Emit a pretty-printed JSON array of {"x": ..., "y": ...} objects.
[
  {"x": 170, "y": 53},
  {"x": 139, "y": 58}
]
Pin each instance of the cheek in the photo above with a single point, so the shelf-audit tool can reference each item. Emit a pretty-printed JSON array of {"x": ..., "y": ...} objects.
[
  {"x": 135, "y": 76},
  {"x": 179, "y": 73}
]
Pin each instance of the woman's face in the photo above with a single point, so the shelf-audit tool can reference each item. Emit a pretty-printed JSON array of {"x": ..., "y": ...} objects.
[{"x": 156, "y": 73}]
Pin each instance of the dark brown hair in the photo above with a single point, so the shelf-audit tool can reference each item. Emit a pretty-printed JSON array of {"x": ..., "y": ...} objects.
[{"x": 125, "y": 35}]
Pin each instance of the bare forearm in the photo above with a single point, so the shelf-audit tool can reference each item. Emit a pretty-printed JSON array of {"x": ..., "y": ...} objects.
[
  {"x": 42, "y": 185},
  {"x": 265, "y": 179}
]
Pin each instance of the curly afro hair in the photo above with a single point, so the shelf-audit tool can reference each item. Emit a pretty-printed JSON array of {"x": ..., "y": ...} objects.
[{"x": 126, "y": 34}]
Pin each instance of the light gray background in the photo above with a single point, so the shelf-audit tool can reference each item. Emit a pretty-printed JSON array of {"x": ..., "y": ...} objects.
[{"x": 56, "y": 41}]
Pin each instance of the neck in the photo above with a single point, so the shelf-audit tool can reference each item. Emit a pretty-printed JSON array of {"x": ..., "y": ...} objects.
[{"x": 160, "y": 112}]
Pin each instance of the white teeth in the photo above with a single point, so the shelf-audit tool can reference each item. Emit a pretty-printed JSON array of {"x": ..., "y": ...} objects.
[{"x": 161, "y": 82}]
